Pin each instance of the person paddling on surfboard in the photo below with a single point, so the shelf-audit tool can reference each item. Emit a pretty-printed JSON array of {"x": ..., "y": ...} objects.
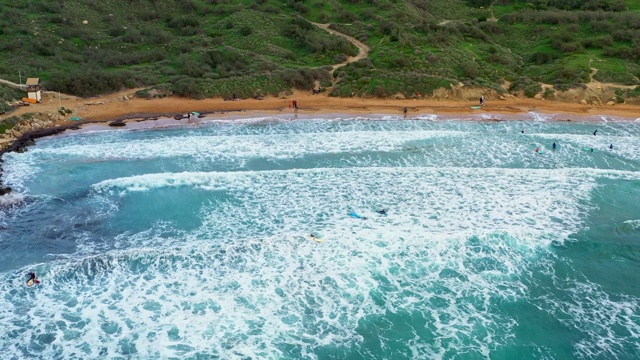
[
  {"x": 32, "y": 279},
  {"x": 382, "y": 212}
]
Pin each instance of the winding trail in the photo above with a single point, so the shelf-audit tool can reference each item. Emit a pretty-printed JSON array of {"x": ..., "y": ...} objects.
[{"x": 363, "y": 50}]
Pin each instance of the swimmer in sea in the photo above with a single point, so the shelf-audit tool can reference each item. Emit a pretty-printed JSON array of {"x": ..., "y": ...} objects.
[
  {"x": 554, "y": 145},
  {"x": 594, "y": 133},
  {"x": 611, "y": 147},
  {"x": 32, "y": 276},
  {"x": 382, "y": 212}
]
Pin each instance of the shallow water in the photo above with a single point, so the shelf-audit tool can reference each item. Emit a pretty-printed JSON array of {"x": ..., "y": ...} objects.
[{"x": 192, "y": 242}]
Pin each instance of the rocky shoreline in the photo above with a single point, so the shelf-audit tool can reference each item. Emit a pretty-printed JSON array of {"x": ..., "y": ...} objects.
[{"x": 23, "y": 134}]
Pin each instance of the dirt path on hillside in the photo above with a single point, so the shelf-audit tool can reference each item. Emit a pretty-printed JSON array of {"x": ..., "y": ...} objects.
[
  {"x": 363, "y": 50},
  {"x": 12, "y": 84}
]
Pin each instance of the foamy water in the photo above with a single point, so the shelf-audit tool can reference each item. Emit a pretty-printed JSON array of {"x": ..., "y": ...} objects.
[{"x": 193, "y": 242}]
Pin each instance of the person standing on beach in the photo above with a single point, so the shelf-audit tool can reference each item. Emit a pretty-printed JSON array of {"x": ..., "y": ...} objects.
[
  {"x": 405, "y": 111},
  {"x": 482, "y": 100}
]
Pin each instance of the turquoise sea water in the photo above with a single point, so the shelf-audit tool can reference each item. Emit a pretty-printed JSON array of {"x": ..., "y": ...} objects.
[{"x": 192, "y": 242}]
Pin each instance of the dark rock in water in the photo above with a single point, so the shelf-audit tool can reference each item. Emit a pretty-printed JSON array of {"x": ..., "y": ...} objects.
[
  {"x": 118, "y": 123},
  {"x": 5, "y": 190},
  {"x": 28, "y": 138}
]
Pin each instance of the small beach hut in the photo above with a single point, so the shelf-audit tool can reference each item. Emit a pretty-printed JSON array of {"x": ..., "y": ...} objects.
[{"x": 34, "y": 90}]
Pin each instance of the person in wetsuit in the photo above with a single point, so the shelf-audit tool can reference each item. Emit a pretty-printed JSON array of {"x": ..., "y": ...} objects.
[
  {"x": 594, "y": 133},
  {"x": 611, "y": 147},
  {"x": 382, "y": 212},
  {"x": 554, "y": 145}
]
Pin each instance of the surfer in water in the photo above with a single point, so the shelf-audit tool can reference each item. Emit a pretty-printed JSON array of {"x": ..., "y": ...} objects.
[
  {"x": 554, "y": 146},
  {"x": 594, "y": 133},
  {"x": 611, "y": 147},
  {"x": 382, "y": 212},
  {"x": 32, "y": 277}
]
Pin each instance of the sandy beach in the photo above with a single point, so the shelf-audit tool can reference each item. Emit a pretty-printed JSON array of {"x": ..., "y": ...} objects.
[{"x": 124, "y": 105}]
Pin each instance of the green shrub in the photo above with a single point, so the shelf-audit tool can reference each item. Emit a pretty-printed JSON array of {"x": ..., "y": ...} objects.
[
  {"x": 88, "y": 81},
  {"x": 188, "y": 88},
  {"x": 8, "y": 123}
]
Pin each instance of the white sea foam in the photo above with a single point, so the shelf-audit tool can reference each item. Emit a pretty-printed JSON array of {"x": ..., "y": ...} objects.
[
  {"x": 609, "y": 325},
  {"x": 238, "y": 181},
  {"x": 11, "y": 199},
  {"x": 633, "y": 223},
  {"x": 427, "y": 117},
  {"x": 538, "y": 116},
  {"x": 255, "y": 297},
  {"x": 273, "y": 146},
  {"x": 247, "y": 282}
]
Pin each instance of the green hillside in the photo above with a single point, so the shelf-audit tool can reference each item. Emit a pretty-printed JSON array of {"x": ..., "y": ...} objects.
[{"x": 202, "y": 48}]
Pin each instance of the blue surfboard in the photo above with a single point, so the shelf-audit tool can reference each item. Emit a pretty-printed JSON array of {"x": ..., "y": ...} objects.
[{"x": 354, "y": 215}]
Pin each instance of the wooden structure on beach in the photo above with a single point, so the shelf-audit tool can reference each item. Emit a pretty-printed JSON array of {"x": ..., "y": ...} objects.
[{"x": 34, "y": 90}]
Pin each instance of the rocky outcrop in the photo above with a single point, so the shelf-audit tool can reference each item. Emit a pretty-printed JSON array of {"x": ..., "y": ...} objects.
[
  {"x": 118, "y": 123},
  {"x": 29, "y": 128},
  {"x": 34, "y": 122}
]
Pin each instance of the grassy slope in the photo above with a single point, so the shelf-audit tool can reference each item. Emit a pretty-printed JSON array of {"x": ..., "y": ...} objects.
[
  {"x": 9, "y": 95},
  {"x": 208, "y": 48}
]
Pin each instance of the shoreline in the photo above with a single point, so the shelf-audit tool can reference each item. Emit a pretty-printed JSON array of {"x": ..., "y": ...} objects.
[
  {"x": 211, "y": 110},
  {"x": 123, "y": 110},
  {"x": 124, "y": 105},
  {"x": 218, "y": 110}
]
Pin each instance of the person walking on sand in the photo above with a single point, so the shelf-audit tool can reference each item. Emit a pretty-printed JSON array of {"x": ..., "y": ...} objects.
[
  {"x": 405, "y": 111},
  {"x": 482, "y": 100}
]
